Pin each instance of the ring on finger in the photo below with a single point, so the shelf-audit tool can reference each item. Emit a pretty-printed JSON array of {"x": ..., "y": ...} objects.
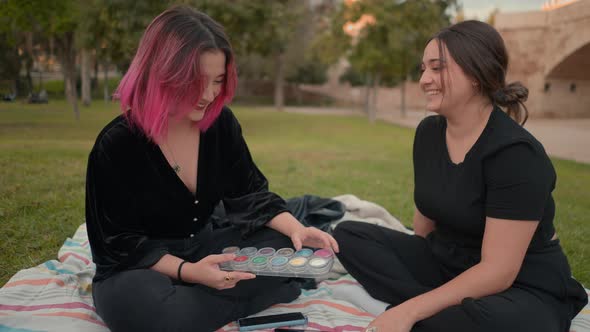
[
  {"x": 228, "y": 277},
  {"x": 372, "y": 329}
]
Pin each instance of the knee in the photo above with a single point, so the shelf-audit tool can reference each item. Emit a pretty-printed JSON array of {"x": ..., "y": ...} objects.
[
  {"x": 345, "y": 230},
  {"x": 350, "y": 234}
]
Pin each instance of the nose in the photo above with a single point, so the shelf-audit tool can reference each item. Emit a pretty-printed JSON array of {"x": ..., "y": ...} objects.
[
  {"x": 425, "y": 79},
  {"x": 210, "y": 93},
  {"x": 207, "y": 96}
]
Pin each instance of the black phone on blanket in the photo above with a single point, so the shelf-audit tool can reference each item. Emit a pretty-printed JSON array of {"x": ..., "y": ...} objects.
[{"x": 271, "y": 321}]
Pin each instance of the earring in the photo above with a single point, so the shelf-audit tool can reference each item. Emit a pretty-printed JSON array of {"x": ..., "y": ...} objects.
[{"x": 475, "y": 84}]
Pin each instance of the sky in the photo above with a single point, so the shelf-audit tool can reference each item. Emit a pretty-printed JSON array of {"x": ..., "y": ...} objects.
[{"x": 480, "y": 9}]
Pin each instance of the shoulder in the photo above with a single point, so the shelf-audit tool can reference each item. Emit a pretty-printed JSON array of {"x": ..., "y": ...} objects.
[
  {"x": 508, "y": 138},
  {"x": 117, "y": 138},
  {"x": 511, "y": 149},
  {"x": 226, "y": 122},
  {"x": 427, "y": 130},
  {"x": 430, "y": 122}
]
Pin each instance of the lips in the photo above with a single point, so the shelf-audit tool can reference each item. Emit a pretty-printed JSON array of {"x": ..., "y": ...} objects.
[
  {"x": 432, "y": 92},
  {"x": 201, "y": 107}
]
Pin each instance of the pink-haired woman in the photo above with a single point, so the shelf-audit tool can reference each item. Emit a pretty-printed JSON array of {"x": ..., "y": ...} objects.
[{"x": 155, "y": 175}]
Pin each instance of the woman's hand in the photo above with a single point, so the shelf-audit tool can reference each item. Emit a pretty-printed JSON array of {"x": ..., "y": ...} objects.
[
  {"x": 207, "y": 272},
  {"x": 300, "y": 235},
  {"x": 313, "y": 237},
  {"x": 392, "y": 320}
]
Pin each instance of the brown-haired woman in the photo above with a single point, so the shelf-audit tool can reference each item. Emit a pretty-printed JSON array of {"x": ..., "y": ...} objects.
[{"x": 485, "y": 255}]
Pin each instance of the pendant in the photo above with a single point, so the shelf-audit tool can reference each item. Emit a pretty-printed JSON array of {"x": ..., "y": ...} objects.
[{"x": 176, "y": 168}]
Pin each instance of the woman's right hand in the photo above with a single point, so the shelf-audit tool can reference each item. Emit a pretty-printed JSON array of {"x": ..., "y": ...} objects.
[{"x": 207, "y": 272}]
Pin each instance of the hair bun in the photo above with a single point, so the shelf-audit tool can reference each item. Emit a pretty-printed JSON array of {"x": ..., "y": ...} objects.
[{"x": 511, "y": 94}]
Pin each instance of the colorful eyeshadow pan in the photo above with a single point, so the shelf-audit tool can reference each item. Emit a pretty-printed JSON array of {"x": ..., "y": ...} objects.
[
  {"x": 241, "y": 259},
  {"x": 231, "y": 250},
  {"x": 304, "y": 252},
  {"x": 287, "y": 252},
  {"x": 324, "y": 253},
  {"x": 259, "y": 260},
  {"x": 278, "y": 261},
  {"x": 248, "y": 251},
  {"x": 266, "y": 251},
  {"x": 318, "y": 262},
  {"x": 298, "y": 262}
]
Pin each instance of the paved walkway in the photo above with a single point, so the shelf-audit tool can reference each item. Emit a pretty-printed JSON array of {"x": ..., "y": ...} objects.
[{"x": 562, "y": 138}]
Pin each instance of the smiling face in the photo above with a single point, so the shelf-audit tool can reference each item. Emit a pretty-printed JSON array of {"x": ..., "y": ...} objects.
[
  {"x": 213, "y": 69},
  {"x": 444, "y": 83}
]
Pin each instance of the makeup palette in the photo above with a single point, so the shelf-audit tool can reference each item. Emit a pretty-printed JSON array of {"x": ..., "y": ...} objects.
[{"x": 284, "y": 262}]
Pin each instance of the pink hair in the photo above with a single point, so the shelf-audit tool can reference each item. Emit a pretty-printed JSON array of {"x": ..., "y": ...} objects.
[{"x": 164, "y": 79}]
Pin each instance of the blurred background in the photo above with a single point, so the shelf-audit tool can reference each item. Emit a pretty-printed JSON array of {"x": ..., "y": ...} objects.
[{"x": 340, "y": 53}]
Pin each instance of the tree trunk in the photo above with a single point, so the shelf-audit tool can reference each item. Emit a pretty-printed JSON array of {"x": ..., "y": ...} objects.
[
  {"x": 299, "y": 94},
  {"x": 367, "y": 105},
  {"x": 373, "y": 108},
  {"x": 280, "y": 82},
  {"x": 15, "y": 83},
  {"x": 15, "y": 63},
  {"x": 68, "y": 61},
  {"x": 403, "y": 99},
  {"x": 106, "y": 82},
  {"x": 95, "y": 77},
  {"x": 403, "y": 88},
  {"x": 85, "y": 68},
  {"x": 29, "y": 60}
]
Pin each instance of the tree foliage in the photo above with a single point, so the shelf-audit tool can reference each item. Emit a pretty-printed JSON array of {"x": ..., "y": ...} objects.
[{"x": 389, "y": 46}]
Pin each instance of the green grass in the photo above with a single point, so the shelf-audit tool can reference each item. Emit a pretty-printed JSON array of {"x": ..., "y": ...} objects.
[{"x": 43, "y": 153}]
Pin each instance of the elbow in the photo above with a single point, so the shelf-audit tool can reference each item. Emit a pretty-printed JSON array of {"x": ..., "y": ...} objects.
[
  {"x": 505, "y": 282},
  {"x": 422, "y": 230},
  {"x": 503, "y": 278}
]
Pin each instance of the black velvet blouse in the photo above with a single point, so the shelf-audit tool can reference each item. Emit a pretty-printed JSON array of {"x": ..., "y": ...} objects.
[{"x": 136, "y": 204}]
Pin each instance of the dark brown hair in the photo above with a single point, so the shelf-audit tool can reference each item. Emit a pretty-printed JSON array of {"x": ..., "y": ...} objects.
[{"x": 480, "y": 51}]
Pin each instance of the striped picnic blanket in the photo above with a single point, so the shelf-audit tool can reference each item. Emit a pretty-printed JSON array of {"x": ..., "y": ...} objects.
[{"x": 56, "y": 296}]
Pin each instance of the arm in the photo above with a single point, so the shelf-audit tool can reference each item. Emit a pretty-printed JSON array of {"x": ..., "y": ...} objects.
[
  {"x": 422, "y": 224},
  {"x": 504, "y": 246},
  {"x": 206, "y": 271},
  {"x": 246, "y": 198},
  {"x": 115, "y": 231}
]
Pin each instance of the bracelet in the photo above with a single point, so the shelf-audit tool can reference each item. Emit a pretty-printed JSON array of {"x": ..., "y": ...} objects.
[{"x": 178, "y": 276}]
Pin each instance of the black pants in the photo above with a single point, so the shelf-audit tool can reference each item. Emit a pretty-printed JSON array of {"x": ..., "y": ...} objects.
[
  {"x": 394, "y": 267},
  {"x": 146, "y": 300}
]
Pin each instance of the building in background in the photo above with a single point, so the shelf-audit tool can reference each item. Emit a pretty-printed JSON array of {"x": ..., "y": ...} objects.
[{"x": 550, "y": 54}]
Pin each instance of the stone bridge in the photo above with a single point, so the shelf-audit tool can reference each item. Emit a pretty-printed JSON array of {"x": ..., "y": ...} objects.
[{"x": 550, "y": 53}]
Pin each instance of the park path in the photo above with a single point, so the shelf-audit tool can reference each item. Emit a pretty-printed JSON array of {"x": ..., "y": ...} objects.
[{"x": 562, "y": 138}]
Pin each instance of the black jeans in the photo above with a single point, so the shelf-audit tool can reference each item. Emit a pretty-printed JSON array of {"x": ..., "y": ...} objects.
[
  {"x": 146, "y": 300},
  {"x": 394, "y": 267}
]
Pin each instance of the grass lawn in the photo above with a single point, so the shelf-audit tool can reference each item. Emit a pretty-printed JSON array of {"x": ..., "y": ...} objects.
[{"x": 43, "y": 153}]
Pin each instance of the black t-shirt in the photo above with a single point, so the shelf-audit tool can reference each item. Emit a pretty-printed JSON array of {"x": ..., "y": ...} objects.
[
  {"x": 505, "y": 175},
  {"x": 136, "y": 204}
]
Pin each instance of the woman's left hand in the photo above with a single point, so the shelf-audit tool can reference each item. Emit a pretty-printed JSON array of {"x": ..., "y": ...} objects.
[
  {"x": 392, "y": 320},
  {"x": 313, "y": 237}
]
